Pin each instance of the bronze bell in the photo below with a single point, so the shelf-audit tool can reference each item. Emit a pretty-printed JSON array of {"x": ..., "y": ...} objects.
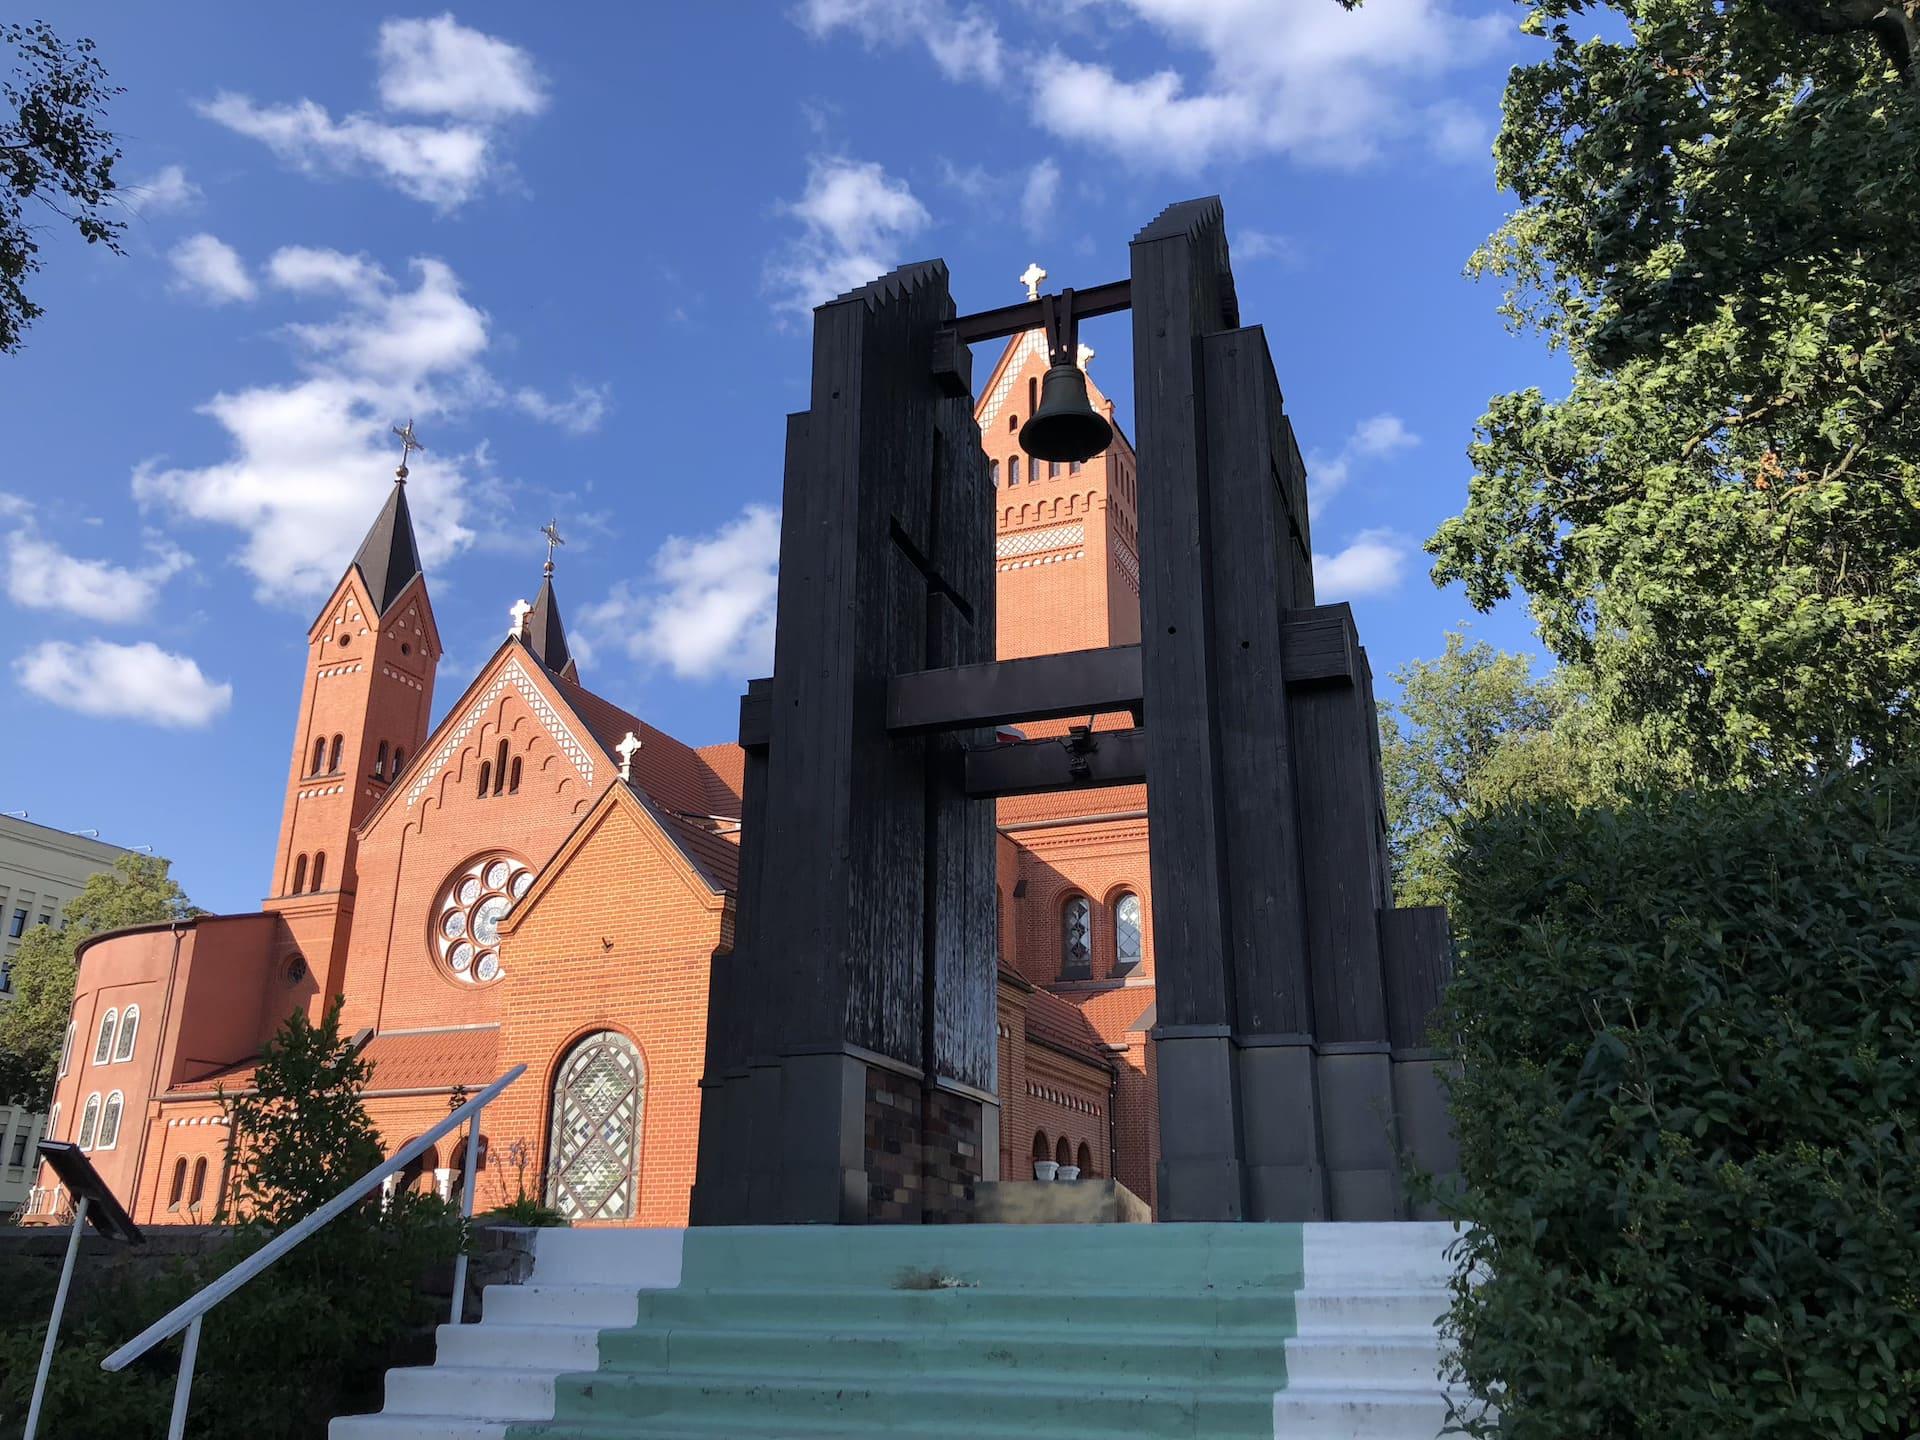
[{"x": 1065, "y": 426}]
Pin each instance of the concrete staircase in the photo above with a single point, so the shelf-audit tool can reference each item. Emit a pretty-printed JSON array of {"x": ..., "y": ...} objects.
[{"x": 1321, "y": 1332}]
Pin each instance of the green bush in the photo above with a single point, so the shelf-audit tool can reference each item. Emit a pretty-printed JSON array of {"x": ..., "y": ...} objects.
[
  {"x": 1687, "y": 1109},
  {"x": 308, "y": 1338}
]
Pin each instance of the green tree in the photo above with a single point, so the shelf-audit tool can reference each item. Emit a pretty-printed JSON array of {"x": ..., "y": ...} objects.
[
  {"x": 137, "y": 891},
  {"x": 1438, "y": 744},
  {"x": 55, "y": 152},
  {"x": 1719, "y": 524}
]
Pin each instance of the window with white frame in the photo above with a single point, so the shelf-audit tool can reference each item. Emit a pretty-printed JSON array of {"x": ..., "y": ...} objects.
[
  {"x": 1126, "y": 931},
  {"x": 53, "y": 1123},
  {"x": 129, "y": 1032},
  {"x": 103, "y": 1047},
  {"x": 66, "y": 1049},
  {"x": 89, "y": 1120},
  {"x": 110, "y": 1122}
]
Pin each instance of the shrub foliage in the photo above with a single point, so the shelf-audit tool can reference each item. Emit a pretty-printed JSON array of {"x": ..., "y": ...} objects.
[{"x": 1687, "y": 1109}]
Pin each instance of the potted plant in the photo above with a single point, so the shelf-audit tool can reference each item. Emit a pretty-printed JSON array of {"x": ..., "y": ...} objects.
[
  {"x": 1044, "y": 1170},
  {"x": 1069, "y": 1173}
]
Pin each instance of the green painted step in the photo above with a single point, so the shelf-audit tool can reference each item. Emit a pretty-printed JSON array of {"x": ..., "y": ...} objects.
[
  {"x": 618, "y": 1404},
  {"x": 1086, "y": 1355}
]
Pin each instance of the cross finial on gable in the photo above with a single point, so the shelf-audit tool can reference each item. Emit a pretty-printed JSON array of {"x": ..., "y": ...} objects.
[
  {"x": 409, "y": 443},
  {"x": 626, "y": 750},
  {"x": 552, "y": 531},
  {"x": 1031, "y": 278},
  {"x": 519, "y": 614}
]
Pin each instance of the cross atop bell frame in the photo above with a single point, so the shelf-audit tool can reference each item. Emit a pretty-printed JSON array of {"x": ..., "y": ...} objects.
[{"x": 851, "y": 1040}]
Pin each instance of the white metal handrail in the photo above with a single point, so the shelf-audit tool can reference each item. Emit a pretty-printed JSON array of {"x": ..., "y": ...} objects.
[{"x": 188, "y": 1314}]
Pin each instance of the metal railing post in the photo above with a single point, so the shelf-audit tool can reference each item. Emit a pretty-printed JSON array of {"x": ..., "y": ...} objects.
[
  {"x": 466, "y": 1213},
  {"x": 183, "y": 1386},
  {"x": 53, "y": 1321}
]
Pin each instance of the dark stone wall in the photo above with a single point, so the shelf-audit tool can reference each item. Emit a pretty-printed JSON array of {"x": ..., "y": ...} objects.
[{"x": 924, "y": 1152}]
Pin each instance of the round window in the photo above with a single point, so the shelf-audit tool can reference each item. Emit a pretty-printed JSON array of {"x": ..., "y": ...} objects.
[{"x": 466, "y": 926}]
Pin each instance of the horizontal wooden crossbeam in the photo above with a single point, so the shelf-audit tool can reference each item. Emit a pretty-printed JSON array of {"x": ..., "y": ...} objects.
[
  {"x": 1319, "y": 643},
  {"x": 999, "y": 692},
  {"x": 1036, "y": 767},
  {"x": 1028, "y": 315}
]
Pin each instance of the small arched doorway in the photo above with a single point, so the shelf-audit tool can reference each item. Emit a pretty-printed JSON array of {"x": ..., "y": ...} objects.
[{"x": 593, "y": 1153}]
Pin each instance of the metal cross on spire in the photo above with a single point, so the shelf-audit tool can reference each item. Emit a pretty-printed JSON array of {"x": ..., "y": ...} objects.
[
  {"x": 1031, "y": 278},
  {"x": 552, "y": 531},
  {"x": 409, "y": 442}
]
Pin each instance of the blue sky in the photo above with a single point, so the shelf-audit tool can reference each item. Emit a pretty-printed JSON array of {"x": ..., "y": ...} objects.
[{"x": 580, "y": 255}]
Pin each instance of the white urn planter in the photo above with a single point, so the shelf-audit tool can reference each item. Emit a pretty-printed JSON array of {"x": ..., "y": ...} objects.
[
  {"x": 1045, "y": 1169},
  {"x": 1069, "y": 1173}
]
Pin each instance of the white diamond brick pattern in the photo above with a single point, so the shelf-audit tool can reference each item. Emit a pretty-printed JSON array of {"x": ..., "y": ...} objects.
[
  {"x": 1033, "y": 542},
  {"x": 512, "y": 675},
  {"x": 1033, "y": 343}
]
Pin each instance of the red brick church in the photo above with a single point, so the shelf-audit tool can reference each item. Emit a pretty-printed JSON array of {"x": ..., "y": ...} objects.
[{"x": 544, "y": 879}]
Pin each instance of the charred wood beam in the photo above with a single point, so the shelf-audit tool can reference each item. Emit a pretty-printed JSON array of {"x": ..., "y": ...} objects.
[
  {"x": 1041, "y": 687},
  {"x": 1071, "y": 762},
  {"x": 1031, "y": 314}
]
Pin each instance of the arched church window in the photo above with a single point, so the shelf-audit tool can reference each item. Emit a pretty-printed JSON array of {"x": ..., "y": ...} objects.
[
  {"x": 1033, "y": 395},
  {"x": 399, "y": 759},
  {"x": 1073, "y": 467},
  {"x": 199, "y": 1183},
  {"x": 500, "y": 767},
  {"x": 179, "y": 1187},
  {"x": 89, "y": 1121},
  {"x": 129, "y": 1032},
  {"x": 1062, "y": 1152},
  {"x": 1076, "y": 939},
  {"x": 466, "y": 926},
  {"x": 1013, "y": 423},
  {"x": 380, "y": 762},
  {"x": 1126, "y": 931},
  {"x": 1083, "y": 1157},
  {"x": 299, "y": 877},
  {"x": 110, "y": 1122},
  {"x": 1013, "y": 470},
  {"x": 513, "y": 777},
  {"x": 53, "y": 1122},
  {"x": 593, "y": 1157},
  {"x": 993, "y": 472},
  {"x": 103, "y": 1046},
  {"x": 319, "y": 756},
  {"x": 1053, "y": 469},
  {"x": 486, "y": 777},
  {"x": 339, "y": 745},
  {"x": 66, "y": 1049},
  {"x": 319, "y": 868}
]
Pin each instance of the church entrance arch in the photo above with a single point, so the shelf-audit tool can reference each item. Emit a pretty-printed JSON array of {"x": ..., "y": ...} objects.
[{"x": 593, "y": 1155}]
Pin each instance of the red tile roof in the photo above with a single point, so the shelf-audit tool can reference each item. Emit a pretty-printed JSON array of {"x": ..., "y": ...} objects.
[
  {"x": 402, "y": 1060},
  {"x": 1055, "y": 1021}
]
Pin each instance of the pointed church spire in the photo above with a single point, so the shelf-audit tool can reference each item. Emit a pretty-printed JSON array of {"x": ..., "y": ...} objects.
[
  {"x": 389, "y": 557},
  {"x": 545, "y": 635}
]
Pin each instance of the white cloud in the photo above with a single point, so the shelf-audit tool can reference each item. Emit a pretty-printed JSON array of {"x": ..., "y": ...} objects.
[
  {"x": 167, "y": 190},
  {"x": 964, "y": 42},
  {"x": 1375, "y": 438},
  {"x": 1264, "y": 245},
  {"x": 708, "y": 607},
  {"x": 1372, "y": 563},
  {"x": 579, "y": 414},
  {"x": 427, "y": 67},
  {"x": 440, "y": 67},
  {"x": 206, "y": 266},
  {"x": 135, "y": 682},
  {"x": 1456, "y": 133},
  {"x": 1038, "y": 196},
  {"x": 310, "y": 458},
  {"x": 42, "y": 576},
  {"x": 307, "y": 271},
  {"x": 1302, "y": 77},
  {"x": 854, "y": 218}
]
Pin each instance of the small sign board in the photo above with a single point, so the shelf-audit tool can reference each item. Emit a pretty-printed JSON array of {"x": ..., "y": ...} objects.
[{"x": 76, "y": 1172}]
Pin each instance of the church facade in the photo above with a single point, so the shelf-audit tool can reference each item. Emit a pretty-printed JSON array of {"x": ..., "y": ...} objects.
[{"x": 543, "y": 879}]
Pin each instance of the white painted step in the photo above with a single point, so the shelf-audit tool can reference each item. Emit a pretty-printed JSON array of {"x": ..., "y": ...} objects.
[
  {"x": 1344, "y": 1413},
  {"x": 1406, "y": 1360}
]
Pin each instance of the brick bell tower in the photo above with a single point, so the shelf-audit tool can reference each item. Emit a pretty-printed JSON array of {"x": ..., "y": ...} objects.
[{"x": 371, "y": 654}]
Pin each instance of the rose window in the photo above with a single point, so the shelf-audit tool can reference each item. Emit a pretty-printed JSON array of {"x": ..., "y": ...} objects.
[{"x": 467, "y": 921}]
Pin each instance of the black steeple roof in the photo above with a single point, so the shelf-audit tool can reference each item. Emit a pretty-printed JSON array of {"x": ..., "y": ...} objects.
[
  {"x": 546, "y": 636},
  {"x": 388, "y": 558}
]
